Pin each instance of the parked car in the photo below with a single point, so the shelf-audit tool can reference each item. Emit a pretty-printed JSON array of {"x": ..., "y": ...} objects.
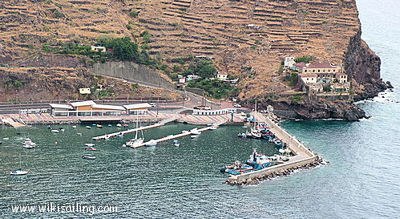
[{"x": 153, "y": 104}]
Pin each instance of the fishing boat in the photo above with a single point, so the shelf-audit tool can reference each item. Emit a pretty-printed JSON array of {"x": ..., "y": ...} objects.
[
  {"x": 152, "y": 142},
  {"x": 176, "y": 143},
  {"x": 256, "y": 162},
  {"x": 99, "y": 126},
  {"x": 88, "y": 157},
  {"x": 119, "y": 125},
  {"x": 28, "y": 144},
  {"x": 55, "y": 131}
]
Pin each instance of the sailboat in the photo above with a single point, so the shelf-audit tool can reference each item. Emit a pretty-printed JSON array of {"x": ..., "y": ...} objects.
[
  {"x": 136, "y": 142},
  {"x": 19, "y": 171}
]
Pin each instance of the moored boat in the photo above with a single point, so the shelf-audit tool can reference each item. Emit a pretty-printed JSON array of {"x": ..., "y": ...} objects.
[
  {"x": 88, "y": 157},
  {"x": 18, "y": 172}
]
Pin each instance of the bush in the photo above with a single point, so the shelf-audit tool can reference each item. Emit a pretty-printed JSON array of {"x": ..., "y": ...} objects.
[
  {"x": 201, "y": 67},
  {"x": 134, "y": 14},
  {"x": 122, "y": 48},
  {"x": 297, "y": 98},
  {"x": 293, "y": 79},
  {"x": 215, "y": 88},
  {"x": 305, "y": 59}
]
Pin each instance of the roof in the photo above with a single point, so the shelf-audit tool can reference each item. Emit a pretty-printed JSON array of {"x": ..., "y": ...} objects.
[
  {"x": 110, "y": 107},
  {"x": 300, "y": 65},
  {"x": 137, "y": 106},
  {"x": 309, "y": 75},
  {"x": 83, "y": 103},
  {"x": 60, "y": 106},
  {"x": 324, "y": 64}
]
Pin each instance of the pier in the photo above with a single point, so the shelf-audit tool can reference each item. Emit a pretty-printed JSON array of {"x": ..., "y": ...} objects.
[
  {"x": 303, "y": 157},
  {"x": 172, "y": 137},
  {"x": 158, "y": 124}
]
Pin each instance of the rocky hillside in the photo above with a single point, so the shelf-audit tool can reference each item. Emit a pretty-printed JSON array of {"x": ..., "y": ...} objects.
[{"x": 245, "y": 38}]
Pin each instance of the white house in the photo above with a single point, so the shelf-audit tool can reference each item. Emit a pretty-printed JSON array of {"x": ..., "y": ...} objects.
[
  {"x": 192, "y": 77},
  {"x": 182, "y": 80},
  {"x": 98, "y": 49},
  {"x": 309, "y": 78},
  {"x": 289, "y": 62},
  {"x": 222, "y": 77}
]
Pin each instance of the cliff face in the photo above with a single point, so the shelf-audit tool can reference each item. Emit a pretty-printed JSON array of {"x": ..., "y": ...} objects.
[{"x": 363, "y": 66}]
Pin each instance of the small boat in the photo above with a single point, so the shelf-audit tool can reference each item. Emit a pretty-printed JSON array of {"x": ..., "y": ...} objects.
[
  {"x": 119, "y": 125},
  {"x": 90, "y": 149},
  {"x": 88, "y": 127},
  {"x": 213, "y": 127},
  {"x": 80, "y": 134},
  {"x": 18, "y": 172},
  {"x": 5, "y": 139},
  {"x": 194, "y": 136},
  {"x": 135, "y": 142},
  {"x": 176, "y": 143},
  {"x": 152, "y": 142},
  {"x": 55, "y": 131},
  {"x": 124, "y": 145},
  {"x": 28, "y": 144},
  {"x": 1, "y": 142},
  {"x": 125, "y": 125},
  {"x": 99, "y": 126},
  {"x": 62, "y": 130},
  {"x": 89, "y": 145},
  {"x": 74, "y": 126},
  {"x": 195, "y": 131},
  {"x": 88, "y": 157},
  {"x": 184, "y": 132}
]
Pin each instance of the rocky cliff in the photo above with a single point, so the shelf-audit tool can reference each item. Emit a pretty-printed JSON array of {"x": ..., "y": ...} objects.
[{"x": 244, "y": 38}]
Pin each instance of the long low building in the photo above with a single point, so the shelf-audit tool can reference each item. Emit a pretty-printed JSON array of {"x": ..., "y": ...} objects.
[{"x": 90, "y": 108}]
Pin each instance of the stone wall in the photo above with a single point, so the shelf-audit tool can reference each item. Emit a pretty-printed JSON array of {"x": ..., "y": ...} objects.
[{"x": 132, "y": 72}]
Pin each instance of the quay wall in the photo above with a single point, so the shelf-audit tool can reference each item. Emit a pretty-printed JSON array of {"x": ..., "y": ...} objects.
[
  {"x": 278, "y": 169},
  {"x": 132, "y": 72}
]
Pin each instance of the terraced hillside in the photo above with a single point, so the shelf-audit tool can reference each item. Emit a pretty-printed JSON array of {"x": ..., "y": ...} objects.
[{"x": 246, "y": 38}]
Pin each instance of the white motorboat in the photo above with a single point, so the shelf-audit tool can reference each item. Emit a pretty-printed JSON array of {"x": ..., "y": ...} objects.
[
  {"x": 176, "y": 143},
  {"x": 195, "y": 131},
  {"x": 74, "y": 126},
  {"x": 119, "y": 125},
  {"x": 213, "y": 127},
  {"x": 18, "y": 172},
  {"x": 89, "y": 145},
  {"x": 99, "y": 126},
  {"x": 152, "y": 142},
  {"x": 28, "y": 144},
  {"x": 55, "y": 131},
  {"x": 88, "y": 127}
]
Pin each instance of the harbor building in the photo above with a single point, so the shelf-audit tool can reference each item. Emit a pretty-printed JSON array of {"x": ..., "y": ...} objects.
[
  {"x": 86, "y": 108},
  {"x": 137, "y": 109}
]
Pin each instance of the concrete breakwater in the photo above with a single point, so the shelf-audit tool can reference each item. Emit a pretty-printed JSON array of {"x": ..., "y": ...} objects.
[{"x": 256, "y": 177}]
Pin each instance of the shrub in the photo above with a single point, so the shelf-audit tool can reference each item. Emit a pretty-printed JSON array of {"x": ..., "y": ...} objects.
[
  {"x": 134, "y": 14},
  {"x": 305, "y": 59}
]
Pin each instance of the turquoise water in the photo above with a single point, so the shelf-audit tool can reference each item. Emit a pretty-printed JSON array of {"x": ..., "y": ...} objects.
[{"x": 361, "y": 181}]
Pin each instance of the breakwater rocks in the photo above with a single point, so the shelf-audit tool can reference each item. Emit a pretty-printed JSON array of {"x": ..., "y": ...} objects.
[{"x": 257, "y": 178}]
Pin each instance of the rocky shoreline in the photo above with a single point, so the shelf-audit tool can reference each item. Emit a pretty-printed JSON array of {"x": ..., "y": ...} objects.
[{"x": 286, "y": 172}]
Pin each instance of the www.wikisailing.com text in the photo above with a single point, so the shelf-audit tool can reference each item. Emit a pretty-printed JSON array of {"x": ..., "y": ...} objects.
[{"x": 64, "y": 208}]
